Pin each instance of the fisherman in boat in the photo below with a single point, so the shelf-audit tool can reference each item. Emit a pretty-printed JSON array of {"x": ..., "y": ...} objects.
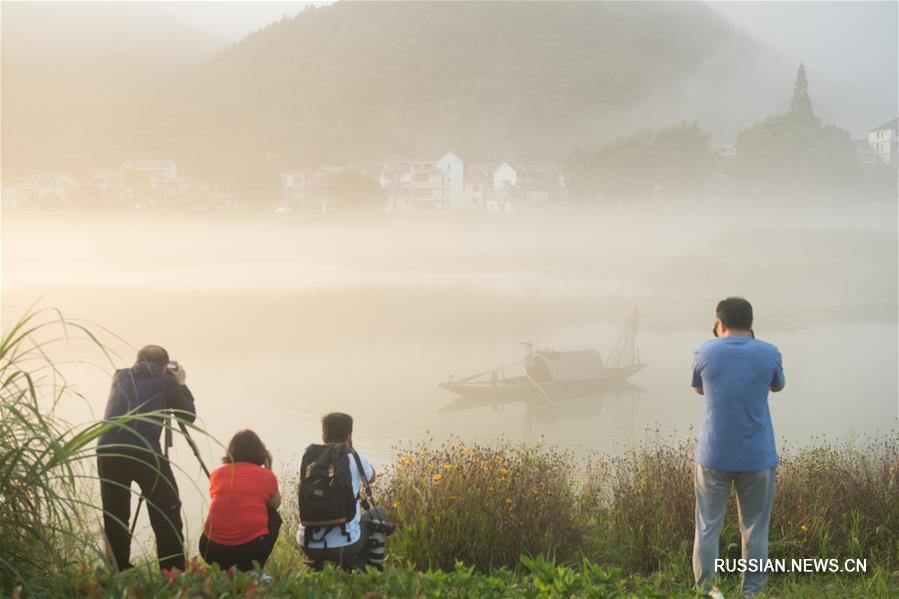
[{"x": 534, "y": 365}]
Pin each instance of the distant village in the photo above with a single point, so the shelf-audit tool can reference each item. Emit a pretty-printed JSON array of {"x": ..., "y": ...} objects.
[{"x": 442, "y": 185}]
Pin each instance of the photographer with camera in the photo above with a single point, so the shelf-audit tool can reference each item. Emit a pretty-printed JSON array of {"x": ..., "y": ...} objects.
[
  {"x": 333, "y": 527},
  {"x": 735, "y": 373},
  {"x": 131, "y": 452}
]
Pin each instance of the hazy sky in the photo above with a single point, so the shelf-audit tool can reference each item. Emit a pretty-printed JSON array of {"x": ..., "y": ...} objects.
[{"x": 232, "y": 20}]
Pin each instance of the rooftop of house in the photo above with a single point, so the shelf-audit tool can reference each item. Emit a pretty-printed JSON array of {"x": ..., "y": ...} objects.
[
  {"x": 152, "y": 164},
  {"x": 893, "y": 124}
]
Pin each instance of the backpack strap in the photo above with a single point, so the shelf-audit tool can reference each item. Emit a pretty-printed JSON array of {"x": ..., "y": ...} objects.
[
  {"x": 309, "y": 536},
  {"x": 362, "y": 476}
]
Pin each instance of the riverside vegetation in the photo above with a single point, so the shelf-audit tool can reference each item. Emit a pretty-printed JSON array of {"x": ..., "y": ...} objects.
[{"x": 501, "y": 519}]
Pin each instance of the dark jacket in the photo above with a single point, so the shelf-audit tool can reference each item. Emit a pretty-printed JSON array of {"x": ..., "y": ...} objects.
[{"x": 145, "y": 387}]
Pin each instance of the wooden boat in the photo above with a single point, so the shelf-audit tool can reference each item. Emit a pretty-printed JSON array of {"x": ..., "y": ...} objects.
[{"x": 548, "y": 373}]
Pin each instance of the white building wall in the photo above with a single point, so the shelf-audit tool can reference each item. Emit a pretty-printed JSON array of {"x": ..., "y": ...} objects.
[
  {"x": 504, "y": 176},
  {"x": 454, "y": 171},
  {"x": 883, "y": 143}
]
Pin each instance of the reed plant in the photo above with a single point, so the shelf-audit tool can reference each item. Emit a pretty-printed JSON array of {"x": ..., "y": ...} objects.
[{"x": 50, "y": 515}]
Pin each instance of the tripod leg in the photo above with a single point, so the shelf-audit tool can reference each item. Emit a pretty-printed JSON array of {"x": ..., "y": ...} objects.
[{"x": 140, "y": 502}]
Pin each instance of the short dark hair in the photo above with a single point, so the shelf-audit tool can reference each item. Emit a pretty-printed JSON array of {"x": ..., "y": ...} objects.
[
  {"x": 154, "y": 354},
  {"x": 337, "y": 427},
  {"x": 735, "y": 313},
  {"x": 246, "y": 446}
]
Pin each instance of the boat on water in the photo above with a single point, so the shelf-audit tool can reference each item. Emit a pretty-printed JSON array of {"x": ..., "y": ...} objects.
[{"x": 549, "y": 373}]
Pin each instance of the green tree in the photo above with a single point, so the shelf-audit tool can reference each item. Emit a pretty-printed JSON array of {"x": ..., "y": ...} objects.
[
  {"x": 801, "y": 103},
  {"x": 795, "y": 151},
  {"x": 351, "y": 189},
  {"x": 255, "y": 185},
  {"x": 676, "y": 159}
]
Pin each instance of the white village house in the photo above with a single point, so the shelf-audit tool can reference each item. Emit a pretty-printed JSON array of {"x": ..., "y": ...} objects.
[
  {"x": 161, "y": 176},
  {"x": 305, "y": 190},
  {"x": 449, "y": 183},
  {"x": 424, "y": 185},
  {"x": 525, "y": 185},
  {"x": 884, "y": 143},
  {"x": 49, "y": 191}
]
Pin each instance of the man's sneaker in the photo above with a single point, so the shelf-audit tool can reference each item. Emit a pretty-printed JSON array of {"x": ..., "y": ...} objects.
[{"x": 716, "y": 593}]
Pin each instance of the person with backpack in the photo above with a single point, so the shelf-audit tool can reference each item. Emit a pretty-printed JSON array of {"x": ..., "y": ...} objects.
[
  {"x": 126, "y": 453},
  {"x": 243, "y": 521},
  {"x": 333, "y": 527}
]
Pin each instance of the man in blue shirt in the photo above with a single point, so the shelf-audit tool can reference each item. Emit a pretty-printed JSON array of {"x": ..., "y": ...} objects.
[{"x": 734, "y": 373}]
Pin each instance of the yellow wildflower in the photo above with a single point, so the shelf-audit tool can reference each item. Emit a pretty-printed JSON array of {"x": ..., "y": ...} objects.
[
  {"x": 509, "y": 500},
  {"x": 804, "y": 528},
  {"x": 437, "y": 477}
]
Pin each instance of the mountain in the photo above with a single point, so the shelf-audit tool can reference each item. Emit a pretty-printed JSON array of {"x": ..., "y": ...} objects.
[
  {"x": 365, "y": 81},
  {"x": 79, "y": 78}
]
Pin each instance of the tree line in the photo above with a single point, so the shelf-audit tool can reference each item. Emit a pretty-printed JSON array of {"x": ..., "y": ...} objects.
[{"x": 790, "y": 153}]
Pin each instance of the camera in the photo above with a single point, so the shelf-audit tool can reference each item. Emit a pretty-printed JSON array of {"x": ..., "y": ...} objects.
[
  {"x": 173, "y": 365},
  {"x": 379, "y": 522},
  {"x": 388, "y": 527}
]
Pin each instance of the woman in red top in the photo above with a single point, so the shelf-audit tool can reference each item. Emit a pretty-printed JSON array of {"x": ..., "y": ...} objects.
[{"x": 243, "y": 521}]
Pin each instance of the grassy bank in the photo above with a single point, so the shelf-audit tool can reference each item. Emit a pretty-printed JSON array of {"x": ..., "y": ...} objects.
[
  {"x": 536, "y": 578},
  {"x": 487, "y": 505},
  {"x": 469, "y": 515}
]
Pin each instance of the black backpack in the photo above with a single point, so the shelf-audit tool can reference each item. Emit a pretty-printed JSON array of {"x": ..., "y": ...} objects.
[{"x": 326, "y": 494}]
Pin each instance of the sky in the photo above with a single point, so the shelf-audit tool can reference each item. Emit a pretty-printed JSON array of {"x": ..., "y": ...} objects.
[{"x": 231, "y": 21}]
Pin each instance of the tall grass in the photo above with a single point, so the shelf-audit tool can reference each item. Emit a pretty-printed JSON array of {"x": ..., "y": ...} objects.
[
  {"x": 483, "y": 505},
  {"x": 42, "y": 509},
  {"x": 835, "y": 500},
  {"x": 50, "y": 516},
  {"x": 486, "y": 505}
]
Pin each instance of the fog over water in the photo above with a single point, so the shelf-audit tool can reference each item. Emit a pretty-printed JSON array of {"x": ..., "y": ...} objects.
[{"x": 280, "y": 320}]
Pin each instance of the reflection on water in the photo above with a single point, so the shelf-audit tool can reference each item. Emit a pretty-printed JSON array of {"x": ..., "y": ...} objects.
[{"x": 605, "y": 418}]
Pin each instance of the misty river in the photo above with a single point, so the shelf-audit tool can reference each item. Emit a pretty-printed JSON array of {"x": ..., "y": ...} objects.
[{"x": 279, "y": 320}]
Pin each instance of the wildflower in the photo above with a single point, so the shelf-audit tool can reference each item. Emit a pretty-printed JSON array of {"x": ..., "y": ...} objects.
[
  {"x": 804, "y": 528},
  {"x": 170, "y": 573},
  {"x": 508, "y": 500},
  {"x": 396, "y": 505},
  {"x": 437, "y": 477},
  {"x": 92, "y": 590},
  {"x": 430, "y": 466},
  {"x": 503, "y": 471}
]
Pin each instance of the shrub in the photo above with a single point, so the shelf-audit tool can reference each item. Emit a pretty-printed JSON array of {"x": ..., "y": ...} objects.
[
  {"x": 639, "y": 507},
  {"x": 482, "y": 505}
]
